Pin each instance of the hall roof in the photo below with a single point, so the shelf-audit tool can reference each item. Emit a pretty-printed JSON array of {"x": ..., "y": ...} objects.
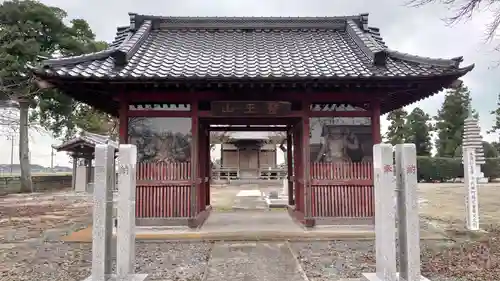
[
  {"x": 152, "y": 48},
  {"x": 84, "y": 143}
]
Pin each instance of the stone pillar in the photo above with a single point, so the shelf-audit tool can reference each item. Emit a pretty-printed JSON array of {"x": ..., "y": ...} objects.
[
  {"x": 408, "y": 216},
  {"x": 88, "y": 163},
  {"x": 470, "y": 180},
  {"x": 125, "y": 233},
  {"x": 81, "y": 177},
  {"x": 102, "y": 228},
  {"x": 385, "y": 212},
  {"x": 284, "y": 190},
  {"x": 73, "y": 178}
]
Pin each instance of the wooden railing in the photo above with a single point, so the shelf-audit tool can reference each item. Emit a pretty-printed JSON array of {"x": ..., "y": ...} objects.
[
  {"x": 163, "y": 190},
  {"x": 234, "y": 174},
  {"x": 342, "y": 190},
  {"x": 225, "y": 173},
  {"x": 273, "y": 174},
  {"x": 154, "y": 172},
  {"x": 339, "y": 172}
]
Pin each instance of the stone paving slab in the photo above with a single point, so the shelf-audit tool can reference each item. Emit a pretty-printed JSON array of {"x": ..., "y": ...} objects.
[
  {"x": 250, "y": 226},
  {"x": 250, "y": 221},
  {"x": 259, "y": 261}
]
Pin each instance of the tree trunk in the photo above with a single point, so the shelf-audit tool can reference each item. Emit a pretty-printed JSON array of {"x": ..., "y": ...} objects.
[{"x": 24, "y": 153}]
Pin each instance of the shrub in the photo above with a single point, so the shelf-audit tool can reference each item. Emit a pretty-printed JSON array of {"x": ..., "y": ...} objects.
[{"x": 442, "y": 169}]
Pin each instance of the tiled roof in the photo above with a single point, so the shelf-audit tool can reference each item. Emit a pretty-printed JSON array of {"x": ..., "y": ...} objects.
[
  {"x": 250, "y": 48},
  {"x": 87, "y": 139}
]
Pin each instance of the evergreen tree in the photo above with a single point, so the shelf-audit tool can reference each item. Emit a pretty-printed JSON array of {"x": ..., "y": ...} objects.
[
  {"x": 450, "y": 121},
  {"x": 397, "y": 131},
  {"x": 496, "y": 146},
  {"x": 490, "y": 150},
  {"x": 30, "y": 30},
  {"x": 419, "y": 131},
  {"x": 496, "y": 126}
]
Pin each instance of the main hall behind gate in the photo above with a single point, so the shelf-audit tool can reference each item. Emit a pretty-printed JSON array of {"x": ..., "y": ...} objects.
[{"x": 323, "y": 81}]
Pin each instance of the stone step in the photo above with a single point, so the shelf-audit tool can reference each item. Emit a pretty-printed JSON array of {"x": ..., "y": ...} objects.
[
  {"x": 249, "y": 203},
  {"x": 255, "y": 181}
]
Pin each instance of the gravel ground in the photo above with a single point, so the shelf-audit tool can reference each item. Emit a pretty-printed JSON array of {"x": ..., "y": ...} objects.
[
  {"x": 42, "y": 216},
  {"x": 441, "y": 260},
  {"x": 68, "y": 262},
  {"x": 329, "y": 261}
]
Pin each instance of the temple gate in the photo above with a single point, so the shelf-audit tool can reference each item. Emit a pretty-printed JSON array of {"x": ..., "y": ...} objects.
[{"x": 325, "y": 81}]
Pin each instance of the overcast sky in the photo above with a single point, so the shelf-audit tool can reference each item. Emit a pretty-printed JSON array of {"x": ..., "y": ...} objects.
[{"x": 418, "y": 31}]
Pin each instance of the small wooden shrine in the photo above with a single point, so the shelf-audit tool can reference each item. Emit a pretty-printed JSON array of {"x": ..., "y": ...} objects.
[{"x": 81, "y": 149}]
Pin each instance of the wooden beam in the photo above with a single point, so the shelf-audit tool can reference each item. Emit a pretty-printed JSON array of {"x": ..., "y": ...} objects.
[
  {"x": 250, "y": 121},
  {"x": 186, "y": 97},
  {"x": 375, "y": 120},
  {"x": 208, "y": 114},
  {"x": 159, "y": 113},
  {"x": 340, "y": 113},
  {"x": 123, "y": 120},
  {"x": 248, "y": 129}
]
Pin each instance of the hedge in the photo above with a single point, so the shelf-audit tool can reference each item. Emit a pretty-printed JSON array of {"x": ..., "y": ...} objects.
[{"x": 440, "y": 169}]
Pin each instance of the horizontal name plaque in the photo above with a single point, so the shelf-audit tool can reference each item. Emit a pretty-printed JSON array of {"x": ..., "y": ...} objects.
[{"x": 250, "y": 108}]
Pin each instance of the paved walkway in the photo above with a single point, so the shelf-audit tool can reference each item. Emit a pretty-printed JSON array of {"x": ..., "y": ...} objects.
[
  {"x": 257, "y": 261},
  {"x": 243, "y": 196},
  {"x": 242, "y": 221}
]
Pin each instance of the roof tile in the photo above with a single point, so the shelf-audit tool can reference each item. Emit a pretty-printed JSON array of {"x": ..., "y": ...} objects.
[{"x": 154, "y": 47}]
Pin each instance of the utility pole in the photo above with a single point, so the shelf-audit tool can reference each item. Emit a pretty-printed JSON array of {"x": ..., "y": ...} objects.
[
  {"x": 52, "y": 154},
  {"x": 11, "y": 138},
  {"x": 11, "y": 154}
]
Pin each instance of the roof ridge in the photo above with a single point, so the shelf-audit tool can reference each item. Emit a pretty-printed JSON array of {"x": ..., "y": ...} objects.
[
  {"x": 78, "y": 59},
  {"x": 121, "y": 53},
  {"x": 131, "y": 44},
  {"x": 153, "y": 17},
  {"x": 243, "y": 22},
  {"x": 453, "y": 62},
  {"x": 371, "y": 47}
]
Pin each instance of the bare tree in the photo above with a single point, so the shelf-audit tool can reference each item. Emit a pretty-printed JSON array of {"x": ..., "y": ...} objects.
[
  {"x": 465, "y": 9},
  {"x": 218, "y": 137}
]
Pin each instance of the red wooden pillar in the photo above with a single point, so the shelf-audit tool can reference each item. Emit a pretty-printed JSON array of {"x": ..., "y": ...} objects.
[
  {"x": 375, "y": 120},
  {"x": 307, "y": 202},
  {"x": 208, "y": 165},
  {"x": 123, "y": 120},
  {"x": 298, "y": 177},
  {"x": 194, "y": 159},
  {"x": 201, "y": 168},
  {"x": 290, "y": 160}
]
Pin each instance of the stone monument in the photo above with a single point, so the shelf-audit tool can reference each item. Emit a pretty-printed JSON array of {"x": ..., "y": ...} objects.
[
  {"x": 472, "y": 139},
  {"x": 125, "y": 233},
  {"x": 385, "y": 214},
  {"x": 408, "y": 213},
  {"x": 102, "y": 228},
  {"x": 470, "y": 180}
]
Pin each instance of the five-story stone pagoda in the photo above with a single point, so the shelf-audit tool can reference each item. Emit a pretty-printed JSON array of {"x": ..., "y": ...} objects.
[{"x": 472, "y": 138}]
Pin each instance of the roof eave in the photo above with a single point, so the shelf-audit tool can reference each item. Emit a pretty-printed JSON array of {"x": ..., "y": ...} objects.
[{"x": 42, "y": 74}]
